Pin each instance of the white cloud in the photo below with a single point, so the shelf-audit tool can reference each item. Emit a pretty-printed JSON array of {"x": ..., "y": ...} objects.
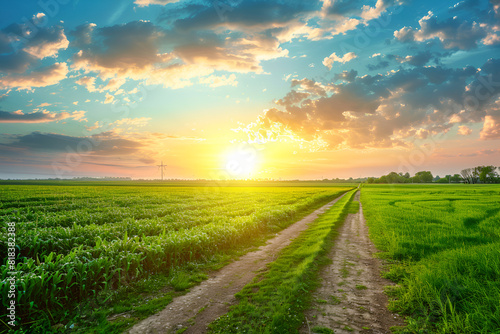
[
  {"x": 109, "y": 98},
  {"x": 464, "y": 130},
  {"x": 43, "y": 77},
  {"x": 328, "y": 61},
  {"x": 218, "y": 81}
]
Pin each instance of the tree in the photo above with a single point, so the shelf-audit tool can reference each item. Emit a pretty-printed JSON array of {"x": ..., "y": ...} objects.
[
  {"x": 487, "y": 174},
  {"x": 423, "y": 177},
  {"x": 467, "y": 175},
  {"x": 394, "y": 177},
  {"x": 456, "y": 178},
  {"x": 445, "y": 179}
]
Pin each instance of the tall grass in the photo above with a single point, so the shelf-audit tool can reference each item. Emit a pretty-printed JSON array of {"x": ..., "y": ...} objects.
[{"x": 445, "y": 241}]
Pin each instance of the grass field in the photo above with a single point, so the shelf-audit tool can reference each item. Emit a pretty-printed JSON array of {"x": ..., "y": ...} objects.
[
  {"x": 444, "y": 245},
  {"x": 76, "y": 243}
]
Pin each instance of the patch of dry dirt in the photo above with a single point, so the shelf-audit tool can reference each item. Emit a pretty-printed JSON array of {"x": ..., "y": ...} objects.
[
  {"x": 351, "y": 298},
  {"x": 211, "y": 299}
]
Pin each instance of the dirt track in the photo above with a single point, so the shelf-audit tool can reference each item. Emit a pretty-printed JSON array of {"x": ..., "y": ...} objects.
[
  {"x": 212, "y": 298},
  {"x": 350, "y": 298}
]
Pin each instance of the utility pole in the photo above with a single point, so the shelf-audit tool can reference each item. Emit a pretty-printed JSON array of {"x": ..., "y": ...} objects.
[{"x": 162, "y": 166}]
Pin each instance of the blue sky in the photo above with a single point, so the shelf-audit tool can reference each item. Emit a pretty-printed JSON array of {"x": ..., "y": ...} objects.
[{"x": 314, "y": 89}]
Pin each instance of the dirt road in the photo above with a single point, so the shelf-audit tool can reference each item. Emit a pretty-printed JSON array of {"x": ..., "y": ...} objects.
[
  {"x": 351, "y": 298},
  {"x": 212, "y": 298}
]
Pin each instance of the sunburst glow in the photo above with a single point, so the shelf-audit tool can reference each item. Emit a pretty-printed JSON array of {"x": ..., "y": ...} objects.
[{"x": 241, "y": 163}]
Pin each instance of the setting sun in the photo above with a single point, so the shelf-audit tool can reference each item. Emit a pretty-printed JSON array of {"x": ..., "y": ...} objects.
[{"x": 241, "y": 162}]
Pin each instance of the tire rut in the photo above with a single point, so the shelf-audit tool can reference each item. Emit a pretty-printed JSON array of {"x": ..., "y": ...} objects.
[{"x": 351, "y": 296}]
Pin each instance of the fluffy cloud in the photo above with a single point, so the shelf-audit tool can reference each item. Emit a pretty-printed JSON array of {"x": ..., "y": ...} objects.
[
  {"x": 343, "y": 8},
  {"x": 454, "y": 33},
  {"x": 109, "y": 98},
  {"x": 39, "y": 117},
  {"x": 384, "y": 110},
  {"x": 87, "y": 82},
  {"x": 42, "y": 77},
  {"x": 253, "y": 16},
  {"x": 491, "y": 128},
  {"x": 106, "y": 143},
  {"x": 48, "y": 43},
  {"x": 328, "y": 61},
  {"x": 128, "y": 50},
  {"x": 132, "y": 51},
  {"x": 82, "y": 35},
  {"x": 418, "y": 59},
  {"x": 370, "y": 13},
  {"x": 310, "y": 86},
  {"x": 349, "y": 76},
  {"x": 218, "y": 81},
  {"x": 234, "y": 55},
  {"x": 492, "y": 39},
  {"x": 23, "y": 45},
  {"x": 464, "y": 130}
]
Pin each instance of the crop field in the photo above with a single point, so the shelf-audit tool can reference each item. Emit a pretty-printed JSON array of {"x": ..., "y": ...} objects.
[
  {"x": 81, "y": 246},
  {"x": 444, "y": 245},
  {"x": 75, "y": 242}
]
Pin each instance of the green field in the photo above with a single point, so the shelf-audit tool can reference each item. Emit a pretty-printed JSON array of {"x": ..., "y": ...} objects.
[
  {"x": 444, "y": 244},
  {"x": 89, "y": 250},
  {"x": 76, "y": 243}
]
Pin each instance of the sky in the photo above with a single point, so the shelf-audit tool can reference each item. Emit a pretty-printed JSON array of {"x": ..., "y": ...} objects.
[{"x": 235, "y": 89}]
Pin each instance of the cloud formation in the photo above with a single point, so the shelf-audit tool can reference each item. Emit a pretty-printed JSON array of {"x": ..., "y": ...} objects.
[
  {"x": 328, "y": 61},
  {"x": 39, "y": 117},
  {"x": 384, "y": 110},
  {"x": 491, "y": 127},
  {"x": 464, "y": 130},
  {"x": 41, "y": 77},
  {"x": 454, "y": 33},
  {"x": 23, "y": 46},
  {"x": 218, "y": 81}
]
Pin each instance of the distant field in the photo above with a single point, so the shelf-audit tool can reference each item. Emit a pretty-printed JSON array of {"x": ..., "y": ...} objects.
[
  {"x": 180, "y": 183},
  {"x": 445, "y": 244},
  {"x": 76, "y": 240}
]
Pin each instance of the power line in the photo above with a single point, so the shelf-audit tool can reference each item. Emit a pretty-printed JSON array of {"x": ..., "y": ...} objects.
[{"x": 162, "y": 166}]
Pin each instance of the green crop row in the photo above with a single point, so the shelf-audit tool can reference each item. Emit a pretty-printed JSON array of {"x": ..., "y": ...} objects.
[
  {"x": 81, "y": 217},
  {"x": 444, "y": 241}
]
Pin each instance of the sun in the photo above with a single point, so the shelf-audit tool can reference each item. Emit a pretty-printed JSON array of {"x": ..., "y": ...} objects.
[{"x": 241, "y": 163}]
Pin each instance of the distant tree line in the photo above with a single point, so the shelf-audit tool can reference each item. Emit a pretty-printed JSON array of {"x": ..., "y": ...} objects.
[
  {"x": 483, "y": 174},
  {"x": 393, "y": 177},
  {"x": 479, "y": 174}
]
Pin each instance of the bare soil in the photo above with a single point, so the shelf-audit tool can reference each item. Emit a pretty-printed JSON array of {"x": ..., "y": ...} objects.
[
  {"x": 351, "y": 298},
  {"x": 212, "y": 298}
]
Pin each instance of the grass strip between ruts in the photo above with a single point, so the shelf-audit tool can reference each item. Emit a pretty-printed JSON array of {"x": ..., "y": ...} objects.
[{"x": 274, "y": 302}]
